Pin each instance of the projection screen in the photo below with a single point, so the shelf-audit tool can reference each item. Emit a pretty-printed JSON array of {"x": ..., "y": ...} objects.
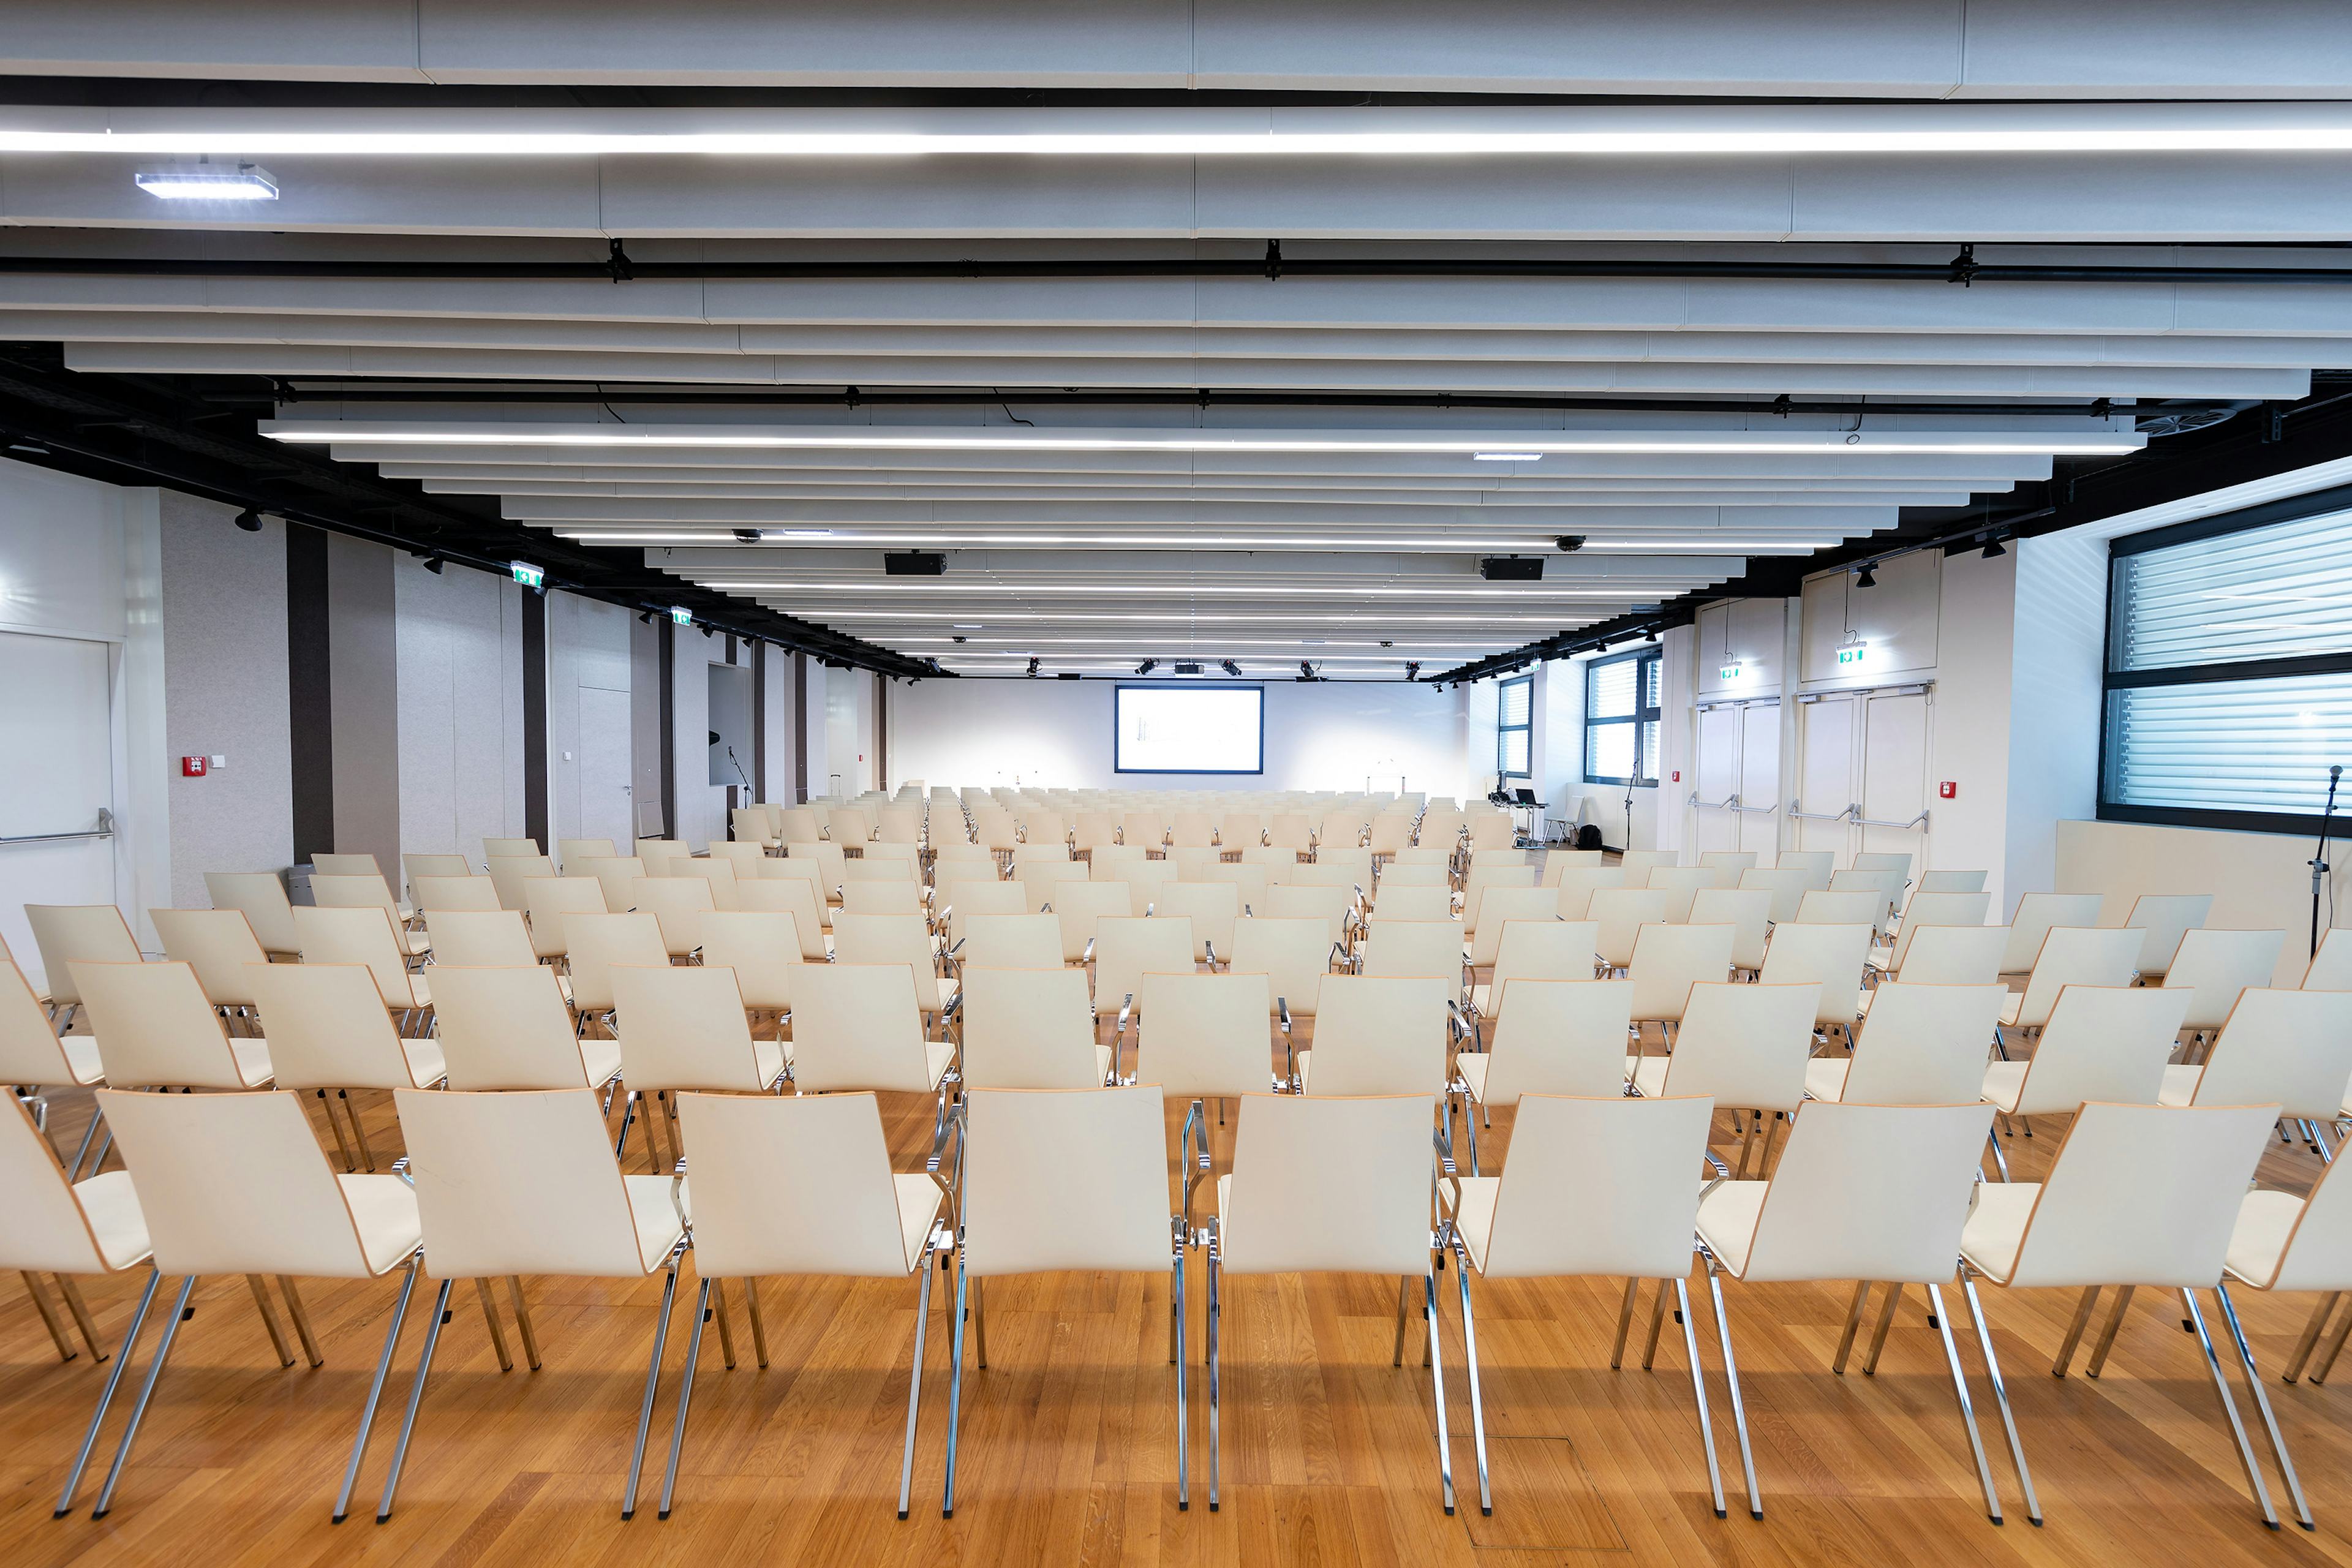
[{"x": 1163, "y": 729}]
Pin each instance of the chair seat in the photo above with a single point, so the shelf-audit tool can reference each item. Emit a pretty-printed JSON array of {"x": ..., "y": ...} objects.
[
  {"x": 919, "y": 1199},
  {"x": 112, "y": 1209},
  {"x": 2004, "y": 1082},
  {"x": 406, "y": 910},
  {"x": 658, "y": 1230},
  {"x": 81, "y": 1058},
  {"x": 1727, "y": 1222},
  {"x": 1104, "y": 1057},
  {"x": 1474, "y": 1212},
  {"x": 416, "y": 943},
  {"x": 767, "y": 1061},
  {"x": 427, "y": 1065},
  {"x": 939, "y": 1055},
  {"x": 1647, "y": 1074},
  {"x": 1480, "y": 996},
  {"x": 383, "y": 1208},
  {"x": 2008, "y": 1007},
  {"x": 1996, "y": 1226},
  {"x": 1471, "y": 1066},
  {"x": 2180, "y": 1086},
  {"x": 2265, "y": 1220},
  {"x": 1825, "y": 1078},
  {"x": 601, "y": 1058},
  {"x": 252, "y": 1058},
  {"x": 420, "y": 990}
]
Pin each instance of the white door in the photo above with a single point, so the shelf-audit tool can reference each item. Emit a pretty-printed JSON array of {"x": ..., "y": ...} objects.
[
  {"x": 1894, "y": 774},
  {"x": 604, "y": 770},
  {"x": 57, "y": 735},
  {"x": 1717, "y": 768},
  {"x": 1825, "y": 745},
  {"x": 1759, "y": 779}
]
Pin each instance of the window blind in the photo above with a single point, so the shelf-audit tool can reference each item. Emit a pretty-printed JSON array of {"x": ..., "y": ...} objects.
[{"x": 2278, "y": 592}]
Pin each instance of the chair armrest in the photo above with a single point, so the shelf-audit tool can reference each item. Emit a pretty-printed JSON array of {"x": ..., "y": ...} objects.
[
  {"x": 1210, "y": 947},
  {"x": 1088, "y": 956}
]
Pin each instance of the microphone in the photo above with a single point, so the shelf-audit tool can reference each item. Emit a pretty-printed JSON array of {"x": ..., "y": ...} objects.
[{"x": 2334, "y": 771}]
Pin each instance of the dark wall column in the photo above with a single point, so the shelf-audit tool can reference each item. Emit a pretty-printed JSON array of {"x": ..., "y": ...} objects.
[
  {"x": 310, "y": 692},
  {"x": 534, "y": 719}
]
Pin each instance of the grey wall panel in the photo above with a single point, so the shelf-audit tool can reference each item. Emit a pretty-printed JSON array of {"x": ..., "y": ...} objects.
[
  {"x": 460, "y": 700},
  {"x": 363, "y": 653},
  {"x": 591, "y": 741}
]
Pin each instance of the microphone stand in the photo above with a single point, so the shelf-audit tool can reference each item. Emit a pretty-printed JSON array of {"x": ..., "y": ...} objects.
[
  {"x": 2319, "y": 856},
  {"x": 739, "y": 770}
]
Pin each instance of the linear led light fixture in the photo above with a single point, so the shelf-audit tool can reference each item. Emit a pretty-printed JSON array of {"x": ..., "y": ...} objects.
[
  {"x": 1506, "y": 457},
  {"x": 208, "y": 183},
  {"x": 1907, "y": 443},
  {"x": 1383, "y": 618},
  {"x": 1180, "y": 590},
  {"x": 1798, "y": 542}
]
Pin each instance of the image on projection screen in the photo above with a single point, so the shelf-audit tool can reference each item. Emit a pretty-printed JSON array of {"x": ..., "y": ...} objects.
[{"x": 1189, "y": 729}]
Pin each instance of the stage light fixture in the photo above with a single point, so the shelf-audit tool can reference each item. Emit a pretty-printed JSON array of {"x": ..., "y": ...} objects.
[
  {"x": 1230, "y": 667},
  {"x": 746, "y": 536},
  {"x": 1993, "y": 550},
  {"x": 1412, "y": 669},
  {"x": 434, "y": 563},
  {"x": 1147, "y": 667},
  {"x": 249, "y": 521},
  {"x": 1033, "y": 669},
  {"x": 1864, "y": 579}
]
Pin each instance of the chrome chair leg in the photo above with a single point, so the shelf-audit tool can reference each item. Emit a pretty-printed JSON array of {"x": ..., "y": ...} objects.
[
  {"x": 684, "y": 1399},
  {"x": 914, "y": 1373},
  {"x": 2263, "y": 1408},
  {"x": 1437, "y": 1388},
  {"x": 1183, "y": 1440},
  {"x": 146, "y": 1392},
  {"x": 955, "y": 1386},
  {"x": 652, "y": 1381},
  {"x": 335, "y": 1125},
  {"x": 106, "y": 1396},
  {"x": 416, "y": 1398},
  {"x": 376, "y": 1388},
  {"x": 2230, "y": 1411},
  {"x": 1214, "y": 1331},
  {"x": 2001, "y": 1396},
  {"x": 1968, "y": 1409},
  {"x": 1698, "y": 1396},
  {"x": 1470, "y": 1356},
  {"x": 82, "y": 1147},
  {"x": 1731, "y": 1376}
]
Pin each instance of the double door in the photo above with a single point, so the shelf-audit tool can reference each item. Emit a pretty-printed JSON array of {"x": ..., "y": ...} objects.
[
  {"x": 1861, "y": 783},
  {"x": 1736, "y": 795}
]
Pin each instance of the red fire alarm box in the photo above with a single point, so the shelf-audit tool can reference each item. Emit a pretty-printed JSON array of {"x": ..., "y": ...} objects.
[
  {"x": 192, "y": 767},
  {"x": 1677, "y": 778},
  {"x": 1949, "y": 790}
]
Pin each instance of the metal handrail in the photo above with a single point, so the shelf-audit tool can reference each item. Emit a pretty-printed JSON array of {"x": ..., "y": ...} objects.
[
  {"x": 1731, "y": 803},
  {"x": 105, "y": 829},
  {"x": 1918, "y": 821},
  {"x": 1850, "y": 814}
]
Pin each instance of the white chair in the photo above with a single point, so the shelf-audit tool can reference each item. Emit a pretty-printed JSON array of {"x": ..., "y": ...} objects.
[
  {"x": 1786, "y": 886},
  {"x": 1429, "y": 949},
  {"x": 2102, "y": 1042},
  {"x": 617, "y": 877},
  {"x": 1866, "y": 1193},
  {"x": 1831, "y": 956},
  {"x": 1211, "y": 907},
  {"x": 329, "y": 1031},
  {"x": 2166, "y": 918},
  {"x": 2330, "y": 968},
  {"x": 1841, "y": 907},
  {"x": 549, "y": 902},
  {"x": 1028, "y": 1028},
  {"x": 2281, "y": 1242},
  {"x": 1928, "y": 910},
  {"x": 684, "y": 1026},
  {"x": 1743, "y": 1046},
  {"x": 415, "y": 867},
  {"x": 1886, "y": 881},
  {"x": 763, "y": 948},
  {"x": 1129, "y": 947},
  {"x": 1330, "y": 1185},
  {"x": 785, "y": 896},
  {"x": 1682, "y": 884},
  {"x": 509, "y": 1029},
  {"x": 1638, "y": 863},
  {"x": 437, "y": 895},
  {"x": 1022, "y": 1214},
  {"x": 155, "y": 1029},
  {"x": 801, "y": 1187},
  {"x": 235, "y": 1183},
  {"x": 1334, "y": 906},
  {"x": 482, "y": 939},
  {"x": 893, "y": 896},
  {"x": 569, "y": 850},
  {"x": 2137, "y": 1196},
  {"x": 855, "y": 1027},
  {"x": 366, "y": 935},
  {"x": 1950, "y": 955},
  {"x": 677, "y": 905},
  {"x": 1557, "y": 861},
  {"x": 2074, "y": 955},
  {"x": 1560, "y": 1036},
  {"x": 597, "y": 944},
  {"x": 1618, "y": 915},
  {"x": 1381, "y": 1034},
  {"x": 1667, "y": 961},
  {"x": 1629, "y": 1160},
  {"x": 219, "y": 945},
  {"x": 64, "y": 1227},
  {"x": 260, "y": 897},
  {"x": 510, "y": 848},
  {"x": 1206, "y": 1040},
  {"x": 33, "y": 1056},
  {"x": 1500, "y": 908},
  {"x": 1924, "y": 1044},
  {"x": 896, "y": 939},
  {"x": 1747, "y": 911},
  {"x": 1012, "y": 942},
  {"x": 1423, "y": 901},
  {"x": 1815, "y": 864},
  {"x": 66, "y": 934},
  {"x": 2036, "y": 914},
  {"x": 509, "y": 1184},
  {"x": 369, "y": 890},
  {"x": 1950, "y": 882},
  {"x": 1546, "y": 948},
  {"x": 1079, "y": 909},
  {"x": 2214, "y": 966},
  {"x": 1735, "y": 861},
  {"x": 2291, "y": 1049}
]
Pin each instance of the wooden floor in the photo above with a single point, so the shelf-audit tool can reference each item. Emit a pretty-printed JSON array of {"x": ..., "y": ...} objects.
[{"x": 1068, "y": 1448}]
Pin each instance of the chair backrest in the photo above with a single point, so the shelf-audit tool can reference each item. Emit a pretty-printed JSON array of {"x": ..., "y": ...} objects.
[
  {"x": 506, "y": 1028},
  {"x": 2103, "y": 1042},
  {"x": 677, "y": 904},
  {"x": 1886, "y": 881},
  {"x": 1332, "y": 904},
  {"x": 763, "y": 947},
  {"x": 218, "y": 944},
  {"x": 1193, "y": 829},
  {"x": 357, "y": 891},
  {"x": 1557, "y": 861},
  {"x": 899, "y": 824},
  {"x": 1292, "y": 830},
  {"x": 745, "y": 858},
  {"x": 1211, "y": 907},
  {"x": 1637, "y": 864},
  {"x": 1504, "y": 905},
  {"x": 797, "y": 824},
  {"x": 1380, "y": 1035},
  {"x": 1926, "y": 1045},
  {"x": 1292, "y": 955},
  {"x": 782, "y": 896},
  {"x": 1952, "y": 955},
  {"x": 1542, "y": 949},
  {"x": 360, "y": 935},
  {"x": 2167, "y": 918},
  {"x": 2331, "y": 967},
  {"x": 683, "y": 1026},
  {"x": 1401, "y": 874},
  {"x": 2079, "y": 956},
  {"x": 1869, "y": 1192},
  {"x": 1560, "y": 1036},
  {"x": 1080, "y": 908},
  {"x": 1328, "y": 1185},
  {"x": 261, "y": 897},
  {"x": 1490, "y": 875},
  {"x": 617, "y": 877},
  {"x": 1668, "y": 959},
  {"x": 1629, "y": 1160},
  {"x": 70, "y": 934},
  {"x": 1831, "y": 956},
  {"x": 1252, "y": 882},
  {"x": 2317, "y": 1254},
  {"x": 1491, "y": 830},
  {"x": 1786, "y": 885},
  {"x": 2293, "y": 1049},
  {"x": 2036, "y": 914},
  {"x": 1207, "y": 1035},
  {"x": 509, "y": 872},
  {"x": 571, "y": 850},
  {"x": 1011, "y": 942},
  {"x": 1242, "y": 830},
  {"x": 599, "y": 941},
  {"x": 796, "y": 1185},
  {"x": 1129, "y": 947},
  {"x": 47, "y": 1231},
  {"x": 1745, "y": 1045},
  {"x": 1431, "y": 949},
  {"x": 549, "y": 902},
  {"x": 1732, "y": 860},
  {"x": 849, "y": 823},
  {"x": 831, "y": 863},
  {"x": 154, "y": 1028},
  {"x": 1683, "y": 883},
  {"x": 750, "y": 825},
  {"x": 416, "y": 866},
  {"x": 1814, "y": 863},
  {"x": 1843, "y": 906},
  {"x": 890, "y": 939},
  {"x": 1896, "y": 861},
  {"x": 482, "y": 938},
  {"x": 2214, "y": 966},
  {"x": 328, "y": 1028},
  {"x": 1095, "y": 829},
  {"x": 718, "y": 872},
  {"x": 1391, "y": 831},
  {"x": 29, "y": 1052},
  {"x": 1747, "y": 911},
  {"x": 235, "y": 1183},
  {"x": 1618, "y": 915},
  {"x": 2142, "y": 1195},
  {"x": 971, "y": 894},
  {"x": 894, "y": 897},
  {"x": 1141, "y": 879},
  {"x": 856, "y": 1025},
  {"x": 1576, "y": 885},
  {"x": 1950, "y": 882},
  {"x": 435, "y": 895},
  {"x": 509, "y": 848},
  {"x": 524, "y": 1183},
  {"x": 1928, "y": 911},
  {"x": 1023, "y": 1214},
  {"x": 332, "y": 865},
  {"x": 1406, "y": 901},
  {"x": 1029, "y": 1028}
]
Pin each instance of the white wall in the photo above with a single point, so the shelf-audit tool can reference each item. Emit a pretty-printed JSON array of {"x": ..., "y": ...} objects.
[
  {"x": 587, "y": 675},
  {"x": 460, "y": 697},
  {"x": 2055, "y": 698},
  {"x": 1058, "y": 734},
  {"x": 782, "y": 744},
  {"x": 1971, "y": 714}
]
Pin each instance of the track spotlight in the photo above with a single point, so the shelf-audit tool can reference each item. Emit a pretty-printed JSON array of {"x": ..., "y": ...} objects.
[
  {"x": 746, "y": 536},
  {"x": 434, "y": 563},
  {"x": 1993, "y": 550},
  {"x": 1230, "y": 667},
  {"x": 646, "y": 617},
  {"x": 1147, "y": 667},
  {"x": 1306, "y": 671},
  {"x": 1412, "y": 669},
  {"x": 706, "y": 630},
  {"x": 1863, "y": 579},
  {"x": 249, "y": 521},
  {"x": 1033, "y": 669}
]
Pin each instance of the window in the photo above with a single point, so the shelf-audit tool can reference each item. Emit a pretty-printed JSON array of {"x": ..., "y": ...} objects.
[
  {"x": 2229, "y": 671},
  {"x": 1621, "y": 718},
  {"x": 1514, "y": 722}
]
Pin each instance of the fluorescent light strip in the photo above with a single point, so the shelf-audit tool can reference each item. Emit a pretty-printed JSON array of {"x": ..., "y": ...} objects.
[
  {"x": 1794, "y": 542},
  {"x": 1129, "y": 641},
  {"x": 1178, "y": 590},
  {"x": 1377, "y": 617}
]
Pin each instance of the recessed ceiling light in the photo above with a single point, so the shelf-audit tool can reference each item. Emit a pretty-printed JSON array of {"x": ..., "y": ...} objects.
[{"x": 209, "y": 182}]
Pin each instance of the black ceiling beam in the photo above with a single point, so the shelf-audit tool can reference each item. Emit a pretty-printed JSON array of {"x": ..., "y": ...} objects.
[
  {"x": 2263, "y": 442},
  {"x": 130, "y": 430}
]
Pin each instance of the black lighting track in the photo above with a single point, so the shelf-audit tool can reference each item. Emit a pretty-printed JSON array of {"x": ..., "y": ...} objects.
[
  {"x": 2276, "y": 439},
  {"x": 618, "y": 267},
  {"x": 138, "y": 430}
]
